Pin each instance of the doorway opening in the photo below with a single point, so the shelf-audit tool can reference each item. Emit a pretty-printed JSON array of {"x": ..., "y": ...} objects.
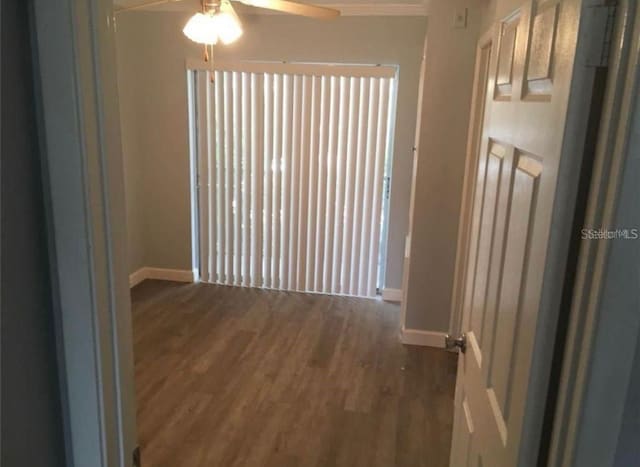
[{"x": 291, "y": 174}]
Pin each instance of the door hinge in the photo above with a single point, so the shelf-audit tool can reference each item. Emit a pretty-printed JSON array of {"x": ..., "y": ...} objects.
[
  {"x": 456, "y": 343},
  {"x": 387, "y": 187},
  {"x": 600, "y": 31},
  {"x": 136, "y": 457}
]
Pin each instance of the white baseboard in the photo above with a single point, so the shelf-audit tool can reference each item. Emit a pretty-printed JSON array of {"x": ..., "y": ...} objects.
[
  {"x": 136, "y": 277},
  {"x": 176, "y": 275},
  {"x": 392, "y": 295},
  {"x": 425, "y": 338}
]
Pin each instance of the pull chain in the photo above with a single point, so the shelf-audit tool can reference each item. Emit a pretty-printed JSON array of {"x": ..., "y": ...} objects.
[
  {"x": 208, "y": 57},
  {"x": 212, "y": 68}
]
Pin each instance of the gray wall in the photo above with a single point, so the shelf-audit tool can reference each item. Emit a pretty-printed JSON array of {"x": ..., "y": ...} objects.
[
  {"x": 609, "y": 431},
  {"x": 439, "y": 171},
  {"x": 151, "y": 66},
  {"x": 495, "y": 10},
  {"x": 628, "y": 447},
  {"x": 32, "y": 431},
  {"x": 132, "y": 115}
]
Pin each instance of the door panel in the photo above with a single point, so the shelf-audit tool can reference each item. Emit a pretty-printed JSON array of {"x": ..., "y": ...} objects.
[
  {"x": 522, "y": 137},
  {"x": 515, "y": 262},
  {"x": 508, "y": 40},
  {"x": 486, "y": 234}
]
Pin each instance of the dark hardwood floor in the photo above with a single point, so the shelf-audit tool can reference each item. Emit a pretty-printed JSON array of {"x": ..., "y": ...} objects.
[{"x": 243, "y": 377}]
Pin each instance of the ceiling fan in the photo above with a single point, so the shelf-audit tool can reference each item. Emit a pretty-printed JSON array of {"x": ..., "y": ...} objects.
[{"x": 218, "y": 21}]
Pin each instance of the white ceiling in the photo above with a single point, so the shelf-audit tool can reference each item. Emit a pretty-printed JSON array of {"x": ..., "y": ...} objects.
[{"x": 348, "y": 7}]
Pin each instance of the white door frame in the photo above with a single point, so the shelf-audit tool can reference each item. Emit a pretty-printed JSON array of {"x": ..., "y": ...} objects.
[
  {"x": 79, "y": 132},
  {"x": 474, "y": 136}
]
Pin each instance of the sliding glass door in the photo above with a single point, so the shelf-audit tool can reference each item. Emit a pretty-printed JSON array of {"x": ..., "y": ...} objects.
[{"x": 291, "y": 173}]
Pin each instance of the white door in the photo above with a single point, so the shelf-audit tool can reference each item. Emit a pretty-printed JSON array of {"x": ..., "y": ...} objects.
[{"x": 515, "y": 190}]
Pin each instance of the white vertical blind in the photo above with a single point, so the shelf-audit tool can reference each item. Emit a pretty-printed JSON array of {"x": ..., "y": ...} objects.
[{"x": 291, "y": 174}]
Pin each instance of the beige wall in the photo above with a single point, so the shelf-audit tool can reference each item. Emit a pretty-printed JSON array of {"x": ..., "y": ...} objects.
[
  {"x": 439, "y": 171},
  {"x": 133, "y": 162},
  {"x": 494, "y": 10},
  {"x": 152, "y": 53}
]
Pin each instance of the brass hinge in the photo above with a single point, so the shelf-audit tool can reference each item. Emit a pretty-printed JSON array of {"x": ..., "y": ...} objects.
[{"x": 456, "y": 343}]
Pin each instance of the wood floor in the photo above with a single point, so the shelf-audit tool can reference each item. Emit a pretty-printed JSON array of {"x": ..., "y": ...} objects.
[{"x": 243, "y": 377}]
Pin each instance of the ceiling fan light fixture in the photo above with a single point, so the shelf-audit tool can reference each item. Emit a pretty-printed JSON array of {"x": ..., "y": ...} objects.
[
  {"x": 218, "y": 23},
  {"x": 201, "y": 28},
  {"x": 229, "y": 27}
]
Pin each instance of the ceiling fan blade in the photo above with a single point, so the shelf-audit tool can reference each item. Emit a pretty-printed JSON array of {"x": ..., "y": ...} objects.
[
  {"x": 295, "y": 8},
  {"x": 140, "y": 6}
]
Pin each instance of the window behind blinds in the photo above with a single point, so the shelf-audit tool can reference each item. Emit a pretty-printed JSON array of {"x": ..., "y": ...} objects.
[{"x": 290, "y": 163}]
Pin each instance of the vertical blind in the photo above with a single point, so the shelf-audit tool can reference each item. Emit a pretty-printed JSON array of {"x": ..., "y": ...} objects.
[{"x": 291, "y": 174}]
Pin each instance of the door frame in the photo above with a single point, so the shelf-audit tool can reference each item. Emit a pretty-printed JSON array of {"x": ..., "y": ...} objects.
[
  {"x": 83, "y": 179},
  {"x": 474, "y": 139}
]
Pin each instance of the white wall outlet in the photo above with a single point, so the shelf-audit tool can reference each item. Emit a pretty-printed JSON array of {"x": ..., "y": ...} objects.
[{"x": 460, "y": 18}]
